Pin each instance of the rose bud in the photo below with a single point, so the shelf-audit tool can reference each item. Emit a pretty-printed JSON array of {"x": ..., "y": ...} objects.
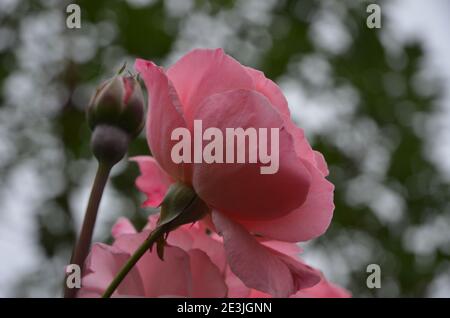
[{"x": 115, "y": 115}]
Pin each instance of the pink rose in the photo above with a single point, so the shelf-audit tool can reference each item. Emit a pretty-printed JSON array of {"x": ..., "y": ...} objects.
[
  {"x": 294, "y": 204},
  {"x": 195, "y": 265}
]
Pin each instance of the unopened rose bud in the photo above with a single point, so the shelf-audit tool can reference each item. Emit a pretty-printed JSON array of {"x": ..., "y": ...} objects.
[
  {"x": 116, "y": 116},
  {"x": 118, "y": 102}
]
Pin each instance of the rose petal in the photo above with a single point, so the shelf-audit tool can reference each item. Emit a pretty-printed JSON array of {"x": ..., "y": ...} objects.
[
  {"x": 194, "y": 236},
  {"x": 207, "y": 279},
  {"x": 211, "y": 246},
  {"x": 181, "y": 238},
  {"x": 236, "y": 288},
  {"x": 239, "y": 189},
  {"x": 164, "y": 115},
  {"x": 321, "y": 164},
  {"x": 260, "y": 267},
  {"x": 323, "y": 289},
  {"x": 153, "y": 181},
  {"x": 102, "y": 265},
  {"x": 269, "y": 89},
  {"x": 303, "y": 148},
  {"x": 169, "y": 277},
  {"x": 306, "y": 222},
  {"x": 122, "y": 226},
  {"x": 203, "y": 72},
  {"x": 286, "y": 248}
]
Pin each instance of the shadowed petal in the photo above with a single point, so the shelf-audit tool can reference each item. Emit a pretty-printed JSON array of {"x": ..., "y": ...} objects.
[
  {"x": 163, "y": 116},
  {"x": 261, "y": 267},
  {"x": 308, "y": 221}
]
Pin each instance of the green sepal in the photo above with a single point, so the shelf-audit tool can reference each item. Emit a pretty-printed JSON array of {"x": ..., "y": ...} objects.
[{"x": 180, "y": 206}]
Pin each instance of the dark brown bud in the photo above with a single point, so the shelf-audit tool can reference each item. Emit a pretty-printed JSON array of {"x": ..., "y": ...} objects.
[
  {"x": 118, "y": 102},
  {"x": 116, "y": 116}
]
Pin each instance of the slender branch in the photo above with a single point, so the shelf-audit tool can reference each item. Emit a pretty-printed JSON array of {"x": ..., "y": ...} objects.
[
  {"x": 157, "y": 233},
  {"x": 81, "y": 249}
]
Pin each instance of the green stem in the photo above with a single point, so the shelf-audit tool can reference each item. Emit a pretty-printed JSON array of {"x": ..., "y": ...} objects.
[
  {"x": 81, "y": 249},
  {"x": 133, "y": 260}
]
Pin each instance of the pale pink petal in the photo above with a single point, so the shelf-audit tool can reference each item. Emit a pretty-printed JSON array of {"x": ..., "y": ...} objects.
[
  {"x": 287, "y": 248},
  {"x": 301, "y": 145},
  {"x": 323, "y": 289},
  {"x": 194, "y": 236},
  {"x": 212, "y": 246},
  {"x": 203, "y": 72},
  {"x": 171, "y": 276},
  {"x": 181, "y": 238},
  {"x": 207, "y": 279},
  {"x": 269, "y": 89},
  {"x": 153, "y": 181},
  {"x": 122, "y": 226},
  {"x": 152, "y": 221},
  {"x": 260, "y": 267},
  {"x": 236, "y": 288},
  {"x": 239, "y": 189},
  {"x": 306, "y": 222},
  {"x": 259, "y": 294},
  {"x": 321, "y": 164},
  {"x": 164, "y": 115},
  {"x": 303, "y": 148},
  {"x": 102, "y": 265}
]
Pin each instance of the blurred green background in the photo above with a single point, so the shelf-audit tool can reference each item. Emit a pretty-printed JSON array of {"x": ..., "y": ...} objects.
[{"x": 375, "y": 102}]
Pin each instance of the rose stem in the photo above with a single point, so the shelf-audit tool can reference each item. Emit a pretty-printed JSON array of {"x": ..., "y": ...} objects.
[{"x": 81, "y": 249}]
